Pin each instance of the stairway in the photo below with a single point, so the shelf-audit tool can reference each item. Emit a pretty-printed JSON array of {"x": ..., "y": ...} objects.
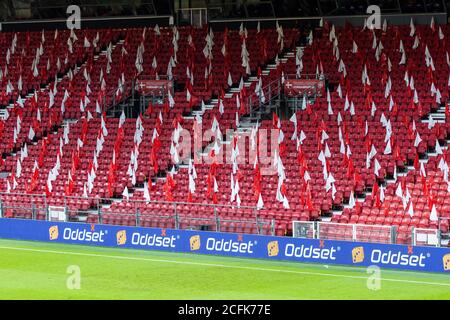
[{"x": 247, "y": 122}]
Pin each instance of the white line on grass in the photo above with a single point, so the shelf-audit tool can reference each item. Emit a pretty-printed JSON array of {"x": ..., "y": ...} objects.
[{"x": 219, "y": 265}]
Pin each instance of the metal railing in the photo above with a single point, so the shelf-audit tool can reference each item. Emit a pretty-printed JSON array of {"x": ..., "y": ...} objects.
[
  {"x": 425, "y": 237},
  {"x": 141, "y": 213},
  {"x": 366, "y": 233},
  {"x": 111, "y": 103},
  {"x": 264, "y": 98}
]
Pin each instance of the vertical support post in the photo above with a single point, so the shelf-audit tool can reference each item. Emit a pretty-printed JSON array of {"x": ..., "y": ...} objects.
[
  {"x": 217, "y": 219},
  {"x": 315, "y": 229},
  {"x": 138, "y": 218},
  {"x": 318, "y": 230},
  {"x": 393, "y": 235},
  {"x": 177, "y": 222},
  {"x": 45, "y": 204},
  {"x": 99, "y": 210},
  {"x": 258, "y": 226},
  {"x": 439, "y": 231},
  {"x": 1, "y": 208},
  {"x": 413, "y": 235},
  {"x": 438, "y": 238},
  {"x": 354, "y": 232},
  {"x": 272, "y": 227},
  {"x": 33, "y": 211}
]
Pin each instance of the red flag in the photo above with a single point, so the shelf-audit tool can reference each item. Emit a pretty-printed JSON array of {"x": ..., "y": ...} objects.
[
  {"x": 275, "y": 121},
  {"x": 416, "y": 162},
  {"x": 257, "y": 181},
  {"x": 375, "y": 189},
  {"x": 47, "y": 192}
]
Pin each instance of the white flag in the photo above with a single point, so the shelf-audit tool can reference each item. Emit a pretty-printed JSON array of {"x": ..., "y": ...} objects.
[
  {"x": 377, "y": 168},
  {"x": 351, "y": 201},
  {"x": 122, "y": 119},
  {"x": 411, "y": 210},
  {"x": 438, "y": 148},
  {"x": 31, "y": 133},
  {"x": 387, "y": 149},
  {"x": 104, "y": 130},
  {"x": 418, "y": 140},
  {"x": 126, "y": 194},
  {"x": 18, "y": 169},
  {"x": 260, "y": 203},
  {"x": 146, "y": 192},
  {"x": 399, "y": 191},
  {"x": 433, "y": 215}
]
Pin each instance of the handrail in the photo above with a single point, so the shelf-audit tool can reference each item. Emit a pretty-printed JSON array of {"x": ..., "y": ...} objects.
[
  {"x": 31, "y": 195},
  {"x": 262, "y": 224},
  {"x": 251, "y": 106},
  {"x": 359, "y": 232}
]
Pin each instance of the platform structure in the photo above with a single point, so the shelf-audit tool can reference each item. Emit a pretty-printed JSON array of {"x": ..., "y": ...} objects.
[
  {"x": 153, "y": 90},
  {"x": 300, "y": 90}
]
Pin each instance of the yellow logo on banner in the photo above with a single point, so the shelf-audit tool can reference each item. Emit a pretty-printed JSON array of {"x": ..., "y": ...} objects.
[
  {"x": 53, "y": 233},
  {"x": 121, "y": 237},
  {"x": 194, "y": 242},
  {"x": 272, "y": 248},
  {"x": 358, "y": 254},
  {"x": 446, "y": 261}
]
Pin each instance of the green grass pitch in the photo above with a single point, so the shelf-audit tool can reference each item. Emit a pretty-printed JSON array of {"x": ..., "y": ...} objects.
[{"x": 36, "y": 270}]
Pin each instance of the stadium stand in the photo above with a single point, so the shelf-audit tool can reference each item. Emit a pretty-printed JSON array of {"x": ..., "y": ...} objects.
[{"x": 372, "y": 149}]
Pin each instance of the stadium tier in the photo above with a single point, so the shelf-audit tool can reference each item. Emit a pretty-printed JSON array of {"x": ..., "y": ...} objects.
[{"x": 370, "y": 148}]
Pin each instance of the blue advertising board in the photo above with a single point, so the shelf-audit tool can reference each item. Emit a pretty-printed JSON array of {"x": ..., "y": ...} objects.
[{"x": 429, "y": 259}]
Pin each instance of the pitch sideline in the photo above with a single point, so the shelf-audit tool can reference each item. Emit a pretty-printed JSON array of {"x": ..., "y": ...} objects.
[{"x": 220, "y": 265}]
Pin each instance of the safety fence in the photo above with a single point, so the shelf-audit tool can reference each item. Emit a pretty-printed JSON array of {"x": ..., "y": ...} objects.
[
  {"x": 366, "y": 233},
  {"x": 162, "y": 214}
]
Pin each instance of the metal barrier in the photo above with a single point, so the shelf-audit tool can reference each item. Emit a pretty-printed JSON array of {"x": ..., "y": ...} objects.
[
  {"x": 264, "y": 97},
  {"x": 113, "y": 103},
  {"x": 426, "y": 237},
  {"x": 366, "y": 233},
  {"x": 356, "y": 232},
  {"x": 178, "y": 215}
]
